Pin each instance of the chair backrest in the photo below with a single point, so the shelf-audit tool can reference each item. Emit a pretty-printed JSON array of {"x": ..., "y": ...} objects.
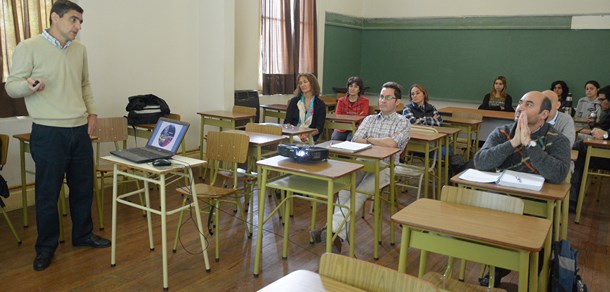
[
  {"x": 265, "y": 129},
  {"x": 467, "y": 115},
  {"x": 113, "y": 129},
  {"x": 423, "y": 129},
  {"x": 482, "y": 199},
  {"x": 4, "y": 139},
  {"x": 173, "y": 116},
  {"x": 369, "y": 276},
  {"x": 244, "y": 109},
  {"x": 228, "y": 147}
]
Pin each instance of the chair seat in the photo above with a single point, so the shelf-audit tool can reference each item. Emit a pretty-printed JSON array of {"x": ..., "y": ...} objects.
[
  {"x": 208, "y": 191},
  {"x": 240, "y": 176},
  {"x": 455, "y": 285}
]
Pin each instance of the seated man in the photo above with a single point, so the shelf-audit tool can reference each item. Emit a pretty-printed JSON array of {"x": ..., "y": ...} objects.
[
  {"x": 599, "y": 132},
  {"x": 387, "y": 128},
  {"x": 529, "y": 145},
  {"x": 562, "y": 122}
]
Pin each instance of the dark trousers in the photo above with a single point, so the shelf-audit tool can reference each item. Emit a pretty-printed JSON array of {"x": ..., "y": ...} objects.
[
  {"x": 579, "y": 166},
  {"x": 60, "y": 152}
]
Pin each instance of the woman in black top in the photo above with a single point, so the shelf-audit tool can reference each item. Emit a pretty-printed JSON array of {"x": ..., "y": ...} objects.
[{"x": 497, "y": 99}]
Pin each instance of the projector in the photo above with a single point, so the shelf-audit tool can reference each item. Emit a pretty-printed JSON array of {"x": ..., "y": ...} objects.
[{"x": 303, "y": 153}]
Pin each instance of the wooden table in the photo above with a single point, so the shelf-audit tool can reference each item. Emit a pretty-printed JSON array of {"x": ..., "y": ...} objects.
[
  {"x": 371, "y": 160},
  {"x": 307, "y": 281},
  {"x": 342, "y": 122},
  {"x": 273, "y": 110},
  {"x": 491, "y": 119},
  {"x": 319, "y": 180},
  {"x": 450, "y": 139},
  {"x": 595, "y": 148},
  {"x": 221, "y": 119},
  {"x": 550, "y": 202},
  {"x": 426, "y": 143},
  {"x": 500, "y": 239},
  {"x": 469, "y": 127},
  {"x": 181, "y": 166}
]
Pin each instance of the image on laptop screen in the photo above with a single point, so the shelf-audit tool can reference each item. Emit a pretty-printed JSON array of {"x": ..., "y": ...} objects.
[{"x": 167, "y": 135}]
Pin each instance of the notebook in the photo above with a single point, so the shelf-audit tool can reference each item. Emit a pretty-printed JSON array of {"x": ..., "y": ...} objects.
[
  {"x": 163, "y": 143},
  {"x": 349, "y": 146},
  {"x": 508, "y": 178}
]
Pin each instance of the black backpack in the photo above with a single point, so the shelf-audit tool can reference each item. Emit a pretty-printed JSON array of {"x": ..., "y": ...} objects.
[{"x": 145, "y": 109}]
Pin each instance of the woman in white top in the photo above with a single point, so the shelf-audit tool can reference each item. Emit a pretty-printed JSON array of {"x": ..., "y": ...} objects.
[{"x": 588, "y": 104}]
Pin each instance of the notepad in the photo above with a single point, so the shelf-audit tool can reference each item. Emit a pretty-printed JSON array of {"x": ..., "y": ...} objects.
[
  {"x": 507, "y": 178},
  {"x": 351, "y": 146}
]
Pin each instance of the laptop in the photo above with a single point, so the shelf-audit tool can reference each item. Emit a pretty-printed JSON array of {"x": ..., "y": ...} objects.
[{"x": 163, "y": 143}]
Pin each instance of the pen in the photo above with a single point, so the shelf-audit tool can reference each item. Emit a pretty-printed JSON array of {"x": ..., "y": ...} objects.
[{"x": 518, "y": 178}]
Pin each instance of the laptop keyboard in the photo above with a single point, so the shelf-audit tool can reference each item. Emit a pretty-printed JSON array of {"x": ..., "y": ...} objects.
[{"x": 144, "y": 152}]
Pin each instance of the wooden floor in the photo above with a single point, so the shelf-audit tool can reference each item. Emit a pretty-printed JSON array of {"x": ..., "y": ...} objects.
[{"x": 138, "y": 268}]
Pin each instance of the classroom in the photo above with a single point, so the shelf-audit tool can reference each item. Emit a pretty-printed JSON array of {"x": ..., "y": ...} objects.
[{"x": 196, "y": 54}]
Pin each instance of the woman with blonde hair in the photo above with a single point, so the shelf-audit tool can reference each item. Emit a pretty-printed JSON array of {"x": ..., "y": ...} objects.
[{"x": 497, "y": 99}]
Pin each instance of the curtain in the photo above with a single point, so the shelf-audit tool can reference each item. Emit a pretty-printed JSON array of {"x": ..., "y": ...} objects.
[
  {"x": 288, "y": 43},
  {"x": 19, "y": 20}
]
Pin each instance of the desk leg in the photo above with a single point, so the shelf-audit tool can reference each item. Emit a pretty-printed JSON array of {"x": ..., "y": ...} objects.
[
  {"x": 524, "y": 271},
  {"x": 377, "y": 214},
  {"x": 404, "y": 248},
  {"x": 204, "y": 246},
  {"x": 546, "y": 258},
  {"x": 24, "y": 191},
  {"x": 468, "y": 142},
  {"x": 426, "y": 169},
  {"x": 583, "y": 185},
  {"x": 352, "y": 214},
  {"x": 151, "y": 245},
  {"x": 447, "y": 138},
  {"x": 565, "y": 205},
  {"x": 329, "y": 213},
  {"x": 261, "y": 217},
  {"x": 114, "y": 203},
  {"x": 393, "y": 201}
]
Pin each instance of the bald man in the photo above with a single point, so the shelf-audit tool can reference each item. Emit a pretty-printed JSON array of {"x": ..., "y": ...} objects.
[
  {"x": 529, "y": 145},
  {"x": 561, "y": 121}
]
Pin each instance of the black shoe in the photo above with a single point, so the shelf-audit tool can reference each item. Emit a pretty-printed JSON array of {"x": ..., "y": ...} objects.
[
  {"x": 320, "y": 236},
  {"x": 572, "y": 208},
  {"x": 42, "y": 260},
  {"x": 94, "y": 241},
  {"x": 499, "y": 274}
]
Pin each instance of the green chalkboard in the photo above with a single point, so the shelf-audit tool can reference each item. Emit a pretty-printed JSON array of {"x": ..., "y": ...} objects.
[{"x": 461, "y": 64}]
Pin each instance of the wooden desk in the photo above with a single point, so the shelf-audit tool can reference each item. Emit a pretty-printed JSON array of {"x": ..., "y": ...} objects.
[
  {"x": 425, "y": 143},
  {"x": 467, "y": 127},
  {"x": 181, "y": 166},
  {"x": 550, "y": 202},
  {"x": 595, "y": 148},
  {"x": 480, "y": 235},
  {"x": 342, "y": 122},
  {"x": 273, "y": 110},
  {"x": 221, "y": 119},
  {"x": 291, "y": 131},
  {"x": 371, "y": 160},
  {"x": 319, "y": 180},
  {"x": 307, "y": 281},
  {"x": 450, "y": 139},
  {"x": 491, "y": 119}
]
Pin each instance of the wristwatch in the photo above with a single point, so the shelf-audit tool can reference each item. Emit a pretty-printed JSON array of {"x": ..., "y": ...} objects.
[
  {"x": 606, "y": 136},
  {"x": 532, "y": 144}
]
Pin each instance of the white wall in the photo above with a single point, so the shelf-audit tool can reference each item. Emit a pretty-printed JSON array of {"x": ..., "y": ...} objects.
[{"x": 452, "y": 8}]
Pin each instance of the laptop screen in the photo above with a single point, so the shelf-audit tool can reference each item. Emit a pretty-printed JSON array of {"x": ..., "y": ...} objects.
[{"x": 168, "y": 135}]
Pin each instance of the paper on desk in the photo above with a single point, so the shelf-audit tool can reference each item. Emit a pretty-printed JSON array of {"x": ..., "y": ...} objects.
[
  {"x": 480, "y": 176},
  {"x": 351, "y": 146}
]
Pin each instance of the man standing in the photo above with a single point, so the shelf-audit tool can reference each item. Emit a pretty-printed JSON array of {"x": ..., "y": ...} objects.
[
  {"x": 386, "y": 128},
  {"x": 529, "y": 145},
  {"x": 51, "y": 72}
]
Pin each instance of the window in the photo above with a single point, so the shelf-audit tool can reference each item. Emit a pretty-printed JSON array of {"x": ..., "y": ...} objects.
[
  {"x": 19, "y": 20},
  {"x": 288, "y": 43}
]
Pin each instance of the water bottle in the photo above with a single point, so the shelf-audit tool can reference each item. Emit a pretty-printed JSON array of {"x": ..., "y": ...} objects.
[{"x": 592, "y": 119}]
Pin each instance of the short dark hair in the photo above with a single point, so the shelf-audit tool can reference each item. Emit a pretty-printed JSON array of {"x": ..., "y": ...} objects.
[
  {"x": 593, "y": 82},
  {"x": 61, "y": 7},
  {"x": 564, "y": 87},
  {"x": 395, "y": 86},
  {"x": 358, "y": 81},
  {"x": 546, "y": 104}
]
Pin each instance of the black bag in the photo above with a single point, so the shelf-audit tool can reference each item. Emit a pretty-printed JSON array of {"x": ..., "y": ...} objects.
[
  {"x": 4, "y": 192},
  {"x": 145, "y": 109},
  {"x": 564, "y": 269}
]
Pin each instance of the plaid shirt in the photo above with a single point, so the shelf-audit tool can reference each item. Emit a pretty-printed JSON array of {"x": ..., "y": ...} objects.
[{"x": 395, "y": 126}]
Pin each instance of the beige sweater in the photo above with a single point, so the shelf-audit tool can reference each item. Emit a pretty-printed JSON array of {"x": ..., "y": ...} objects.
[{"x": 67, "y": 99}]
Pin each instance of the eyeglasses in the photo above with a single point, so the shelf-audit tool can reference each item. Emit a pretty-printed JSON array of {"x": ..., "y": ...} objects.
[{"x": 386, "y": 97}]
